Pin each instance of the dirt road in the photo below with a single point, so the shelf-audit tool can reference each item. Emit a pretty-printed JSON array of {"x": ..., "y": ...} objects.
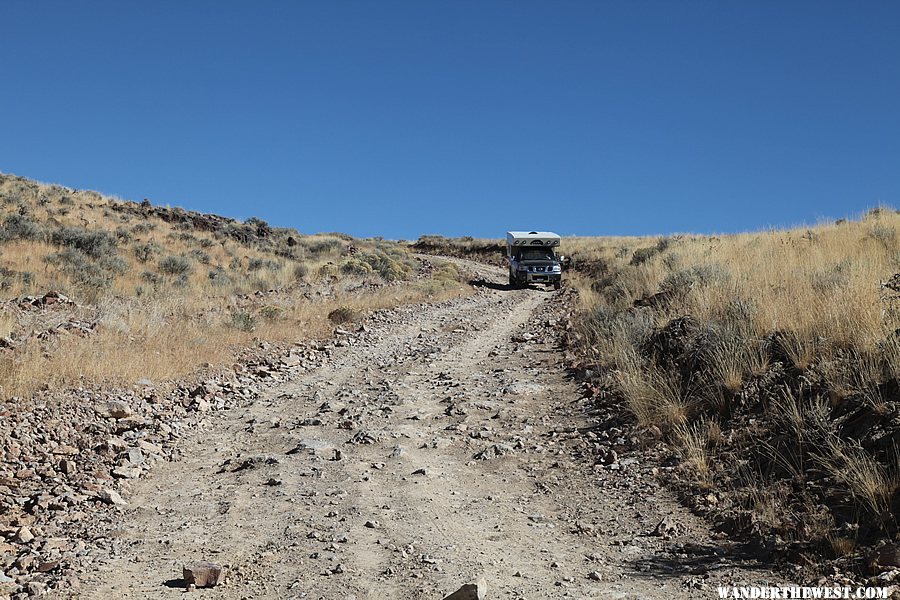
[{"x": 438, "y": 446}]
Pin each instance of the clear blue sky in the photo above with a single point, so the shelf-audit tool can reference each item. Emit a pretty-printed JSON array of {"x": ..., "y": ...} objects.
[{"x": 462, "y": 117}]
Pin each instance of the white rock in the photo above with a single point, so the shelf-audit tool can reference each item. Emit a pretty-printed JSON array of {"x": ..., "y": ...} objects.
[
  {"x": 24, "y": 535},
  {"x": 118, "y": 409},
  {"x": 111, "y": 497},
  {"x": 470, "y": 591}
]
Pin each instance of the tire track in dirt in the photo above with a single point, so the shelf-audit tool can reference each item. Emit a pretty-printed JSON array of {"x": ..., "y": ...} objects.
[{"x": 438, "y": 446}]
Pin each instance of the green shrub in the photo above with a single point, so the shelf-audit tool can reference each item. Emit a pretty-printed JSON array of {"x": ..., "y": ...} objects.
[
  {"x": 699, "y": 275},
  {"x": 642, "y": 255},
  {"x": 84, "y": 271},
  {"x": 243, "y": 321},
  {"x": 150, "y": 277},
  {"x": 883, "y": 234},
  {"x": 144, "y": 252},
  {"x": 271, "y": 313},
  {"x": 321, "y": 246},
  {"x": 200, "y": 256},
  {"x": 389, "y": 266},
  {"x": 328, "y": 270},
  {"x": 256, "y": 264},
  {"x": 343, "y": 314},
  {"x": 175, "y": 265},
  {"x": 355, "y": 266},
  {"x": 384, "y": 265},
  {"x": 20, "y": 227},
  {"x": 261, "y": 228},
  {"x": 123, "y": 235},
  {"x": 446, "y": 271},
  {"x": 95, "y": 244},
  {"x": 219, "y": 277}
]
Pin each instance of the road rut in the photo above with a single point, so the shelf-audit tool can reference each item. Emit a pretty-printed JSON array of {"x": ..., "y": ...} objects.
[{"x": 442, "y": 444}]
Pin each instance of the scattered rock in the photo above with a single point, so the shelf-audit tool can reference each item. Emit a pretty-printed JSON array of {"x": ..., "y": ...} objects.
[
  {"x": 665, "y": 527},
  {"x": 470, "y": 591},
  {"x": 118, "y": 409},
  {"x": 135, "y": 456},
  {"x": 24, "y": 535},
  {"x": 111, "y": 497},
  {"x": 888, "y": 556},
  {"x": 126, "y": 472},
  {"x": 202, "y": 574},
  {"x": 366, "y": 437},
  {"x": 493, "y": 451},
  {"x": 35, "y": 588}
]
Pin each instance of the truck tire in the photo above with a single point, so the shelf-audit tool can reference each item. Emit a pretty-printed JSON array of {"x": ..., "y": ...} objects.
[
  {"x": 512, "y": 280},
  {"x": 557, "y": 284}
]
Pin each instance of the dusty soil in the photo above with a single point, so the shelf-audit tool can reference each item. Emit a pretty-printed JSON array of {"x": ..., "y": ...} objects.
[{"x": 439, "y": 445}]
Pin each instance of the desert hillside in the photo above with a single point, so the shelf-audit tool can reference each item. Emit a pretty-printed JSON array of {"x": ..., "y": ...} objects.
[{"x": 154, "y": 292}]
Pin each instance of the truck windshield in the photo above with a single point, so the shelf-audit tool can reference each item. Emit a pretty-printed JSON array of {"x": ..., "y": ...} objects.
[{"x": 536, "y": 254}]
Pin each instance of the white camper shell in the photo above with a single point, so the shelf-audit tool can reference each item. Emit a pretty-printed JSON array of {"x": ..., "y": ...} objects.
[{"x": 531, "y": 238}]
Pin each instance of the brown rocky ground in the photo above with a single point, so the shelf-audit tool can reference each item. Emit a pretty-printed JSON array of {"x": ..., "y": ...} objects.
[{"x": 436, "y": 444}]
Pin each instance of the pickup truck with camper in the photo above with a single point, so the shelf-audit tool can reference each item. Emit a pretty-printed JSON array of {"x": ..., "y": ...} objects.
[{"x": 532, "y": 258}]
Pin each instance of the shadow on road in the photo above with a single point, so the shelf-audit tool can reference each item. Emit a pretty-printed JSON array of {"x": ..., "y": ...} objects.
[
  {"x": 505, "y": 287},
  {"x": 695, "y": 559},
  {"x": 491, "y": 285}
]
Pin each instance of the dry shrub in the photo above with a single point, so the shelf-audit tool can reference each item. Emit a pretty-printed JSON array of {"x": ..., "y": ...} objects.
[
  {"x": 655, "y": 397},
  {"x": 807, "y": 420},
  {"x": 867, "y": 482},
  {"x": 692, "y": 441},
  {"x": 343, "y": 314},
  {"x": 841, "y": 546},
  {"x": 799, "y": 348},
  {"x": 732, "y": 358},
  {"x": 794, "y": 340}
]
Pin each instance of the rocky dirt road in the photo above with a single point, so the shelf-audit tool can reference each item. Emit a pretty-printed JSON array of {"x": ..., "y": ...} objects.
[{"x": 442, "y": 444}]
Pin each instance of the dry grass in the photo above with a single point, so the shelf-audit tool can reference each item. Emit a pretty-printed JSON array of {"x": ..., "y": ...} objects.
[
  {"x": 819, "y": 284},
  {"x": 789, "y": 340},
  {"x": 692, "y": 441},
  {"x": 869, "y": 484},
  {"x": 168, "y": 296},
  {"x": 815, "y": 289},
  {"x": 166, "y": 339},
  {"x": 656, "y": 397}
]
